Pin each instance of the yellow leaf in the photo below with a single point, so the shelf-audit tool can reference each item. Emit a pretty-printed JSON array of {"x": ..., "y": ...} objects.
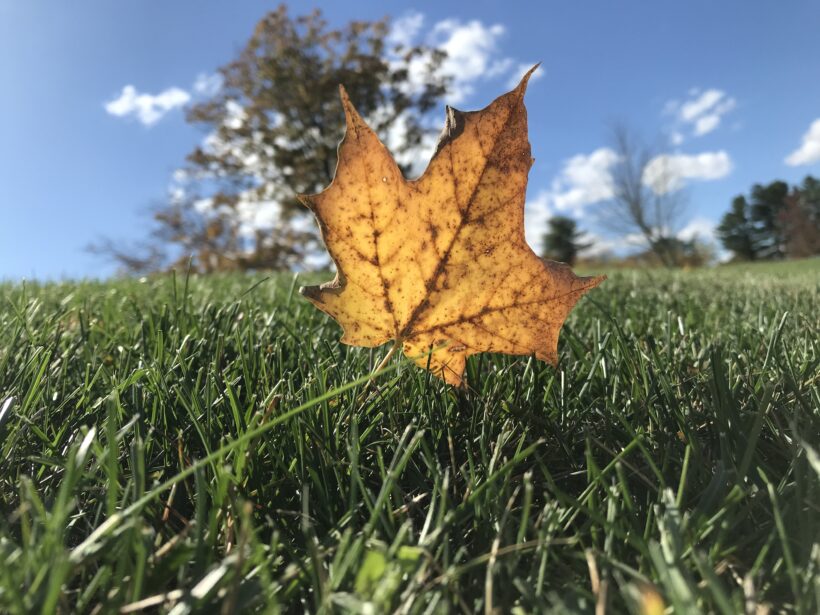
[{"x": 440, "y": 264}]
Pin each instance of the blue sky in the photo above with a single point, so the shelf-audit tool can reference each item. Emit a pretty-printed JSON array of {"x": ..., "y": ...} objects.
[{"x": 733, "y": 85}]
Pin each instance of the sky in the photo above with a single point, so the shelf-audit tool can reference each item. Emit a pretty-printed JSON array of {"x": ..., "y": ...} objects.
[{"x": 92, "y": 122}]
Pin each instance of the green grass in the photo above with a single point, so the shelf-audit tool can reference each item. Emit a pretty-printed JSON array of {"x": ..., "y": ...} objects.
[{"x": 188, "y": 446}]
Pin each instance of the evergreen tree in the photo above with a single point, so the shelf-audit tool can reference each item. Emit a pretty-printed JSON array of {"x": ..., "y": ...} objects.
[
  {"x": 775, "y": 222},
  {"x": 562, "y": 241},
  {"x": 767, "y": 204},
  {"x": 737, "y": 232}
]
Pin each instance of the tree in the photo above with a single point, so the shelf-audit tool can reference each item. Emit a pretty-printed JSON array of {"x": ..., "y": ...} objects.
[
  {"x": 272, "y": 131},
  {"x": 562, "y": 241},
  {"x": 800, "y": 220},
  {"x": 737, "y": 232},
  {"x": 767, "y": 204},
  {"x": 646, "y": 197},
  {"x": 810, "y": 192},
  {"x": 775, "y": 222}
]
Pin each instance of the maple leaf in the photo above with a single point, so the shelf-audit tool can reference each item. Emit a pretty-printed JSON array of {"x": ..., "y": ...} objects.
[{"x": 440, "y": 264}]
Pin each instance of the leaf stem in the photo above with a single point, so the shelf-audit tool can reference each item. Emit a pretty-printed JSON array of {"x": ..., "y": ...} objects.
[
  {"x": 387, "y": 357},
  {"x": 379, "y": 368}
]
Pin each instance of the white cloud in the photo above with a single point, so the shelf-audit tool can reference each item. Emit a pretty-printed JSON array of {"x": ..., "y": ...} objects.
[
  {"x": 706, "y": 124},
  {"x": 709, "y": 121},
  {"x": 405, "y": 29},
  {"x": 254, "y": 215},
  {"x": 669, "y": 172},
  {"x": 809, "y": 150},
  {"x": 473, "y": 53},
  {"x": 471, "y": 49},
  {"x": 147, "y": 108},
  {"x": 235, "y": 115},
  {"x": 701, "y": 228},
  {"x": 537, "y": 212},
  {"x": 703, "y": 111},
  {"x": 696, "y": 107},
  {"x": 203, "y": 206},
  {"x": 208, "y": 84},
  {"x": 585, "y": 179},
  {"x": 151, "y": 108}
]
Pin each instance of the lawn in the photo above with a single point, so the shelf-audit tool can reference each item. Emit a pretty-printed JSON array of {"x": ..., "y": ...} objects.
[{"x": 188, "y": 445}]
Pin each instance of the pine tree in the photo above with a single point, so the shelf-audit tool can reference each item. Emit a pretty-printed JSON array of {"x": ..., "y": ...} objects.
[{"x": 562, "y": 241}]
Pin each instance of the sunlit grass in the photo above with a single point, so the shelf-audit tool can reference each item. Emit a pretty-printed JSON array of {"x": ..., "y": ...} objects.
[{"x": 183, "y": 444}]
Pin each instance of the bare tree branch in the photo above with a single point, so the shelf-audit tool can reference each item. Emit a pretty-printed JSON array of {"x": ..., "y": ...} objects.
[{"x": 647, "y": 199}]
